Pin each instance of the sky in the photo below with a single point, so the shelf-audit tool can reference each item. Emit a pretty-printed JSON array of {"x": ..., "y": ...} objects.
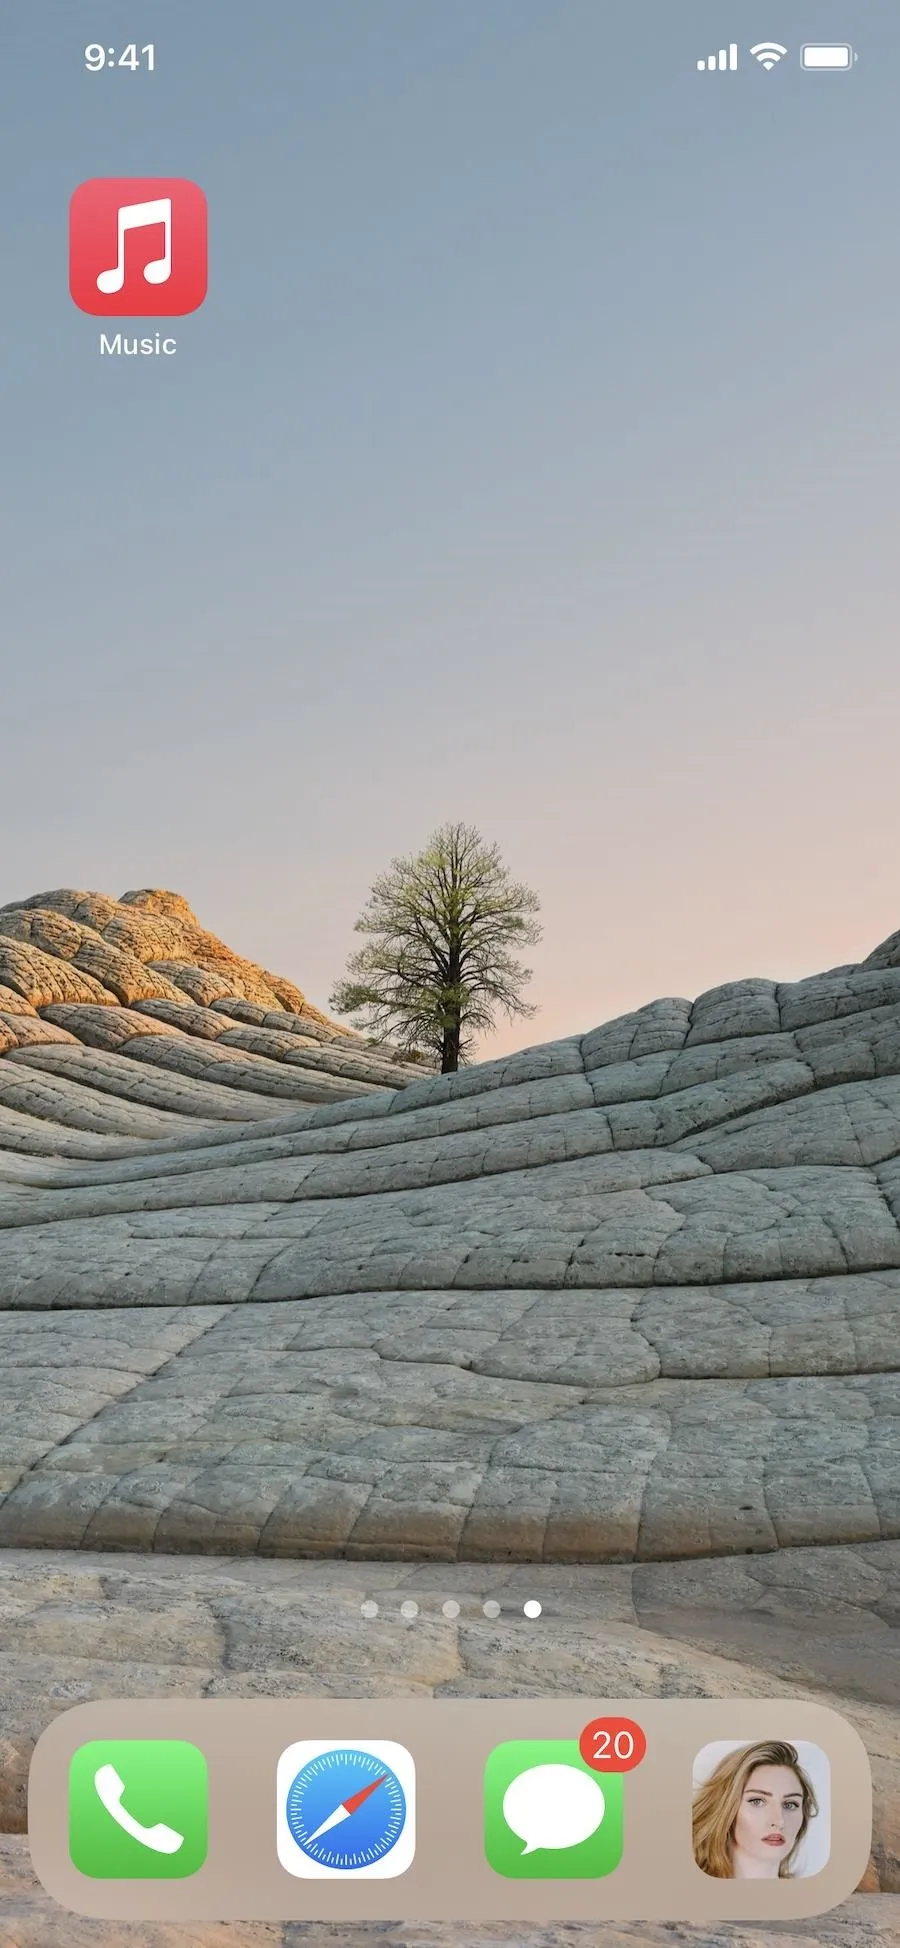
[{"x": 533, "y": 462}]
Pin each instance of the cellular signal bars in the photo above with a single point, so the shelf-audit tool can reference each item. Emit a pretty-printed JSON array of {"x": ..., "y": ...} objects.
[{"x": 726, "y": 58}]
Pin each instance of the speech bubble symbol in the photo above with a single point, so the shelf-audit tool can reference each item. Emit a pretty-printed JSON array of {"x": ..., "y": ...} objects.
[{"x": 553, "y": 1806}]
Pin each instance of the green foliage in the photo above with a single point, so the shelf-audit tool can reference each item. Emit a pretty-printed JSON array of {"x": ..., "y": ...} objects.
[{"x": 439, "y": 962}]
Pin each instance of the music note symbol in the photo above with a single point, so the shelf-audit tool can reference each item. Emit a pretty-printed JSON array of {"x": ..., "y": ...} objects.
[
  {"x": 138, "y": 216},
  {"x": 171, "y": 213}
]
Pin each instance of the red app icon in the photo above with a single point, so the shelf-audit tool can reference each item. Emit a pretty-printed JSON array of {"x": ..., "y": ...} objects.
[{"x": 137, "y": 246}]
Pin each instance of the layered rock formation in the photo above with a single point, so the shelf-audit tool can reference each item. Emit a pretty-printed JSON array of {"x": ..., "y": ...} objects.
[
  {"x": 630, "y": 1295},
  {"x": 138, "y": 980},
  {"x": 628, "y": 1298}
]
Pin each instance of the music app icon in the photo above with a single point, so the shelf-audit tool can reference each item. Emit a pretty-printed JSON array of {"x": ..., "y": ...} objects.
[{"x": 137, "y": 246}]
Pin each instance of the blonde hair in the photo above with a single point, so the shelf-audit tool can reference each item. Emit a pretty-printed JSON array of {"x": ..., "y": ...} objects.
[{"x": 717, "y": 1804}]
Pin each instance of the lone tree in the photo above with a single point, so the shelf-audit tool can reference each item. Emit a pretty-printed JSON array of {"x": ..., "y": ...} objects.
[{"x": 439, "y": 960}]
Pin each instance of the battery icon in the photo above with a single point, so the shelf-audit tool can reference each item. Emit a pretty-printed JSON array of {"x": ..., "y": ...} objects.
[{"x": 827, "y": 57}]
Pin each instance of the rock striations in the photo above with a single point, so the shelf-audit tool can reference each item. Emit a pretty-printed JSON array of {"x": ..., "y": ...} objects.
[
  {"x": 628, "y": 1300},
  {"x": 629, "y": 1296},
  {"x": 89, "y": 986}
]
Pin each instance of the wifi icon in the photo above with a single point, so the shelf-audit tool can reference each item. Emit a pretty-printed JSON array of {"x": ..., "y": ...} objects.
[{"x": 768, "y": 53}]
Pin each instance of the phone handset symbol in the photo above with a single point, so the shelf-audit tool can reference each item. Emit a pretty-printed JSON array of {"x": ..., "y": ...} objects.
[{"x": 109, "y": 1787}]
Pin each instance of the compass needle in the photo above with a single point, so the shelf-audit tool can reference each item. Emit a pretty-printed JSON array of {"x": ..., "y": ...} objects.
[
  {"x": 347, "y": 1806},
  {"x": 346, "y": 1809}
]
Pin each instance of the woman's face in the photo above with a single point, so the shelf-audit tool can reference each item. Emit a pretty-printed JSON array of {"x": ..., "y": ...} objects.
[{"x": 768, "y": 1821}]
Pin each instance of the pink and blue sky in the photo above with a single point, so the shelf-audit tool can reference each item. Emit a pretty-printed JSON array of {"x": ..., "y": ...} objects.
[{"x": 533, "y": 461}]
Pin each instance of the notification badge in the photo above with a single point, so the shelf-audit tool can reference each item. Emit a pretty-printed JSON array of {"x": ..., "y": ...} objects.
[{"x": 138, "y": 246}]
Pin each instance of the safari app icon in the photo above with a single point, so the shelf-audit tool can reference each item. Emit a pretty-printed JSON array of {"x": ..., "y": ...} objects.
[
  {"x": 346, "y": 1811},
  {"x": 138, "y": 246},
  {"x": 548, "y": 1815}
]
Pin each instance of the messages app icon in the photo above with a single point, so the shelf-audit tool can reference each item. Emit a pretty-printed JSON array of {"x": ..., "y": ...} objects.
[
  {"x": 138, "y": 1809},
  {"x": 547, "y": 1815}
]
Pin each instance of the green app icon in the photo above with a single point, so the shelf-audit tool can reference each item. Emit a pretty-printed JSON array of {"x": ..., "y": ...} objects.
[
  {"x": 138, "y": 1809},
  {"x": 547, "y": 1815}
]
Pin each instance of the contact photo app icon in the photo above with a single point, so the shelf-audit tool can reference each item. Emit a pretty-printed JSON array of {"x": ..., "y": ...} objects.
[{"x": 138, "y": 246}]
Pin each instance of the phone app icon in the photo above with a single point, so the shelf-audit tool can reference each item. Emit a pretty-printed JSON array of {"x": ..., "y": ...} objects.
[
  {"x": 138, "y": 246},
  {"x": 547, "y": 1815},
  {"x": 346, "y": 1811},
  {"x": 138, "y": 1809}
]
